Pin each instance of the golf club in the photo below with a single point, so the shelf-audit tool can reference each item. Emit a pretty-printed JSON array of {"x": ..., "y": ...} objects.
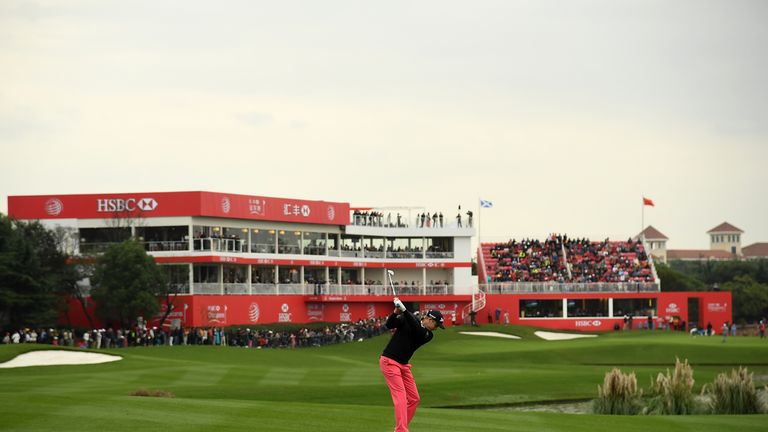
[{"x": 390, "y": 273}]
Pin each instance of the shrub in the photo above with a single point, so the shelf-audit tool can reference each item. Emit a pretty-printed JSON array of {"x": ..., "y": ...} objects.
[
  {"x": 734, "y": 393},
  {"x": 673, "y": 393},
  {"x": 618, "y": 394}
]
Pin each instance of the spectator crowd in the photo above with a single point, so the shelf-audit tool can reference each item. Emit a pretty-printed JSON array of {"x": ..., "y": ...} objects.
[
  {"x": 216, "y": 336},
  {"x": 562, "y": 259}
]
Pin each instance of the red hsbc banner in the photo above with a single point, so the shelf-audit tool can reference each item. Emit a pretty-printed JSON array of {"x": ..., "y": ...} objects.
[
  {"x": 164, "y": 204},
  {"x": 225, "y": 311}
]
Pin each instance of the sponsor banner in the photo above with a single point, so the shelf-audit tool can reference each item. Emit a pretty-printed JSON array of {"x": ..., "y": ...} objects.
[
  {"x": 717, "y": 307},
  {"x": 165, "y": 204},
  {"x": 273, "y": 209},
  {"x": 301, "y": 262},
  {"x": 448, "y": 309},
  {"x": 99, "y": 206}
]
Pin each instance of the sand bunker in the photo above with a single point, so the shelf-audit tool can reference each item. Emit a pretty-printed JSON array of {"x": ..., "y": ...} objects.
[
  {"x": 492, "y": 334},
  {"x": 57, "y": 357},
  {"x": 561, "y": 336}
]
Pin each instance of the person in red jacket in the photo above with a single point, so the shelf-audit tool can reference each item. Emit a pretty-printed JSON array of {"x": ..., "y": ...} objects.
[{"x": 410, "y": 333}]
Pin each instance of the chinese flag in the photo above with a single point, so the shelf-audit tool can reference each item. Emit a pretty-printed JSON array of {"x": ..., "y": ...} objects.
[{"x": 648, "y": 202}]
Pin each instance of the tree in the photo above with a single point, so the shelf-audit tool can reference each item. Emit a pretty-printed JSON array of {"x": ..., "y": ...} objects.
[
  {"x": 673, "y": 280},
  {"x": 127, "y": 283},
  {"x": 750, "y": 299},
  {"x": 34, "y": 275}
]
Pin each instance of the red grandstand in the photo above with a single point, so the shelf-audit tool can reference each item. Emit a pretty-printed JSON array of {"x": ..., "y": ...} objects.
[{"x": 238, "y": 260}]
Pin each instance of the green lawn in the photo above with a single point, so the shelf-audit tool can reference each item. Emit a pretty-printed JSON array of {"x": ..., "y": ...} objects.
[{"x": 339, "y": 388}]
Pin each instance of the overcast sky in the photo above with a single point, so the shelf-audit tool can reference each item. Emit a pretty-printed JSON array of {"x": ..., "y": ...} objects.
[{"x": 564, "y": 113}]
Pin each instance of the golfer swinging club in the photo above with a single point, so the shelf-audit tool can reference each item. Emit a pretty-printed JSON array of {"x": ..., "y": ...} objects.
[{"x": 409, "y": 335}]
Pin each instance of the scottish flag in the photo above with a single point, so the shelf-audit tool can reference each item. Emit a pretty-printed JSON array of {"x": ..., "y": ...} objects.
[{"x": 485, "y": 204}]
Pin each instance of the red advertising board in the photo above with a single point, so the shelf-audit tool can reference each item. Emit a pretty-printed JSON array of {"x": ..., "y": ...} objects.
[
  {"x": 164, "y": 204},
  {"x": 229, "y": 310},
  {"x": 714, "y": 307}
]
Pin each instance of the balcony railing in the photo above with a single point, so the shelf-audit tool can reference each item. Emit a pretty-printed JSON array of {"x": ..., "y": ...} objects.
[
  {"x": 545, "y": 287},
  {"x": 163, "y": 246},
  {"x": 312, "y": 289},
  {"x": 219, "y": 244}
]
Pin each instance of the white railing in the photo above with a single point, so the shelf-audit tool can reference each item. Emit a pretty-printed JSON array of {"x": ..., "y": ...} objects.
[
  {"x": 206, "y": 288},
  {"x": 267, "y": 248},
  {"x": 547, "y": 287},
  {"x": 161, "y": 246},
  {"x": 440, "y": 255},
  {"x": 327, "y": 289},
  {"x": 219, "y": 244},
  {"x": 235, "y": 288}
]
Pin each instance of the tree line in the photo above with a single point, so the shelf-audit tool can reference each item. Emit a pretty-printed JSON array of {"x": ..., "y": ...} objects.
[{"x": 38, "y": 278}]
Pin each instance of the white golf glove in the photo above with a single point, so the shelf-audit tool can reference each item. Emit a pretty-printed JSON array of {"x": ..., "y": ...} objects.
[{"x": 399, "y": 304}]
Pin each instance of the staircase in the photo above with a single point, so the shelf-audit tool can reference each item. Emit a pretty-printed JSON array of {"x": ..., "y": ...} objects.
[{"x": 479, "y": 303}]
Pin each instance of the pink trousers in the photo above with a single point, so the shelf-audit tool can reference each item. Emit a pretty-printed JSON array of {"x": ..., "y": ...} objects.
[{"x": 405, "y": 395}]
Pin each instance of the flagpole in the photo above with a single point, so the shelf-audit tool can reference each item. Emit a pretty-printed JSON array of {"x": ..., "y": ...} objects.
[
  {"x": 479, "y": 248},
  {"x": 642, "y": 218}
]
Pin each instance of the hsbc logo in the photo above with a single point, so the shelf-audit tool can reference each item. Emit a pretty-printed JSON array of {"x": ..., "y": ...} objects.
[
  {"x": 147, "y": 204},
  {"x": 105, "y": 205},
  {"x": 587, "y": 323}
]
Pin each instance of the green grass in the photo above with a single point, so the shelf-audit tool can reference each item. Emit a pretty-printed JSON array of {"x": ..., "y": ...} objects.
[{"x": 339, "y": 388}]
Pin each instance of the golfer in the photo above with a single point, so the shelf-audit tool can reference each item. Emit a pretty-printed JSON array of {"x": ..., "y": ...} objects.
[{"x": 410, "y": 334}]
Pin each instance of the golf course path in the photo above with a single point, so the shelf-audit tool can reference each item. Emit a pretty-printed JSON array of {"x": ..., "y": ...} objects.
[
  {"x": 491, "y": 334},
  {"x": 57, "y": 357},
  {"x": 561, "y": 336}
]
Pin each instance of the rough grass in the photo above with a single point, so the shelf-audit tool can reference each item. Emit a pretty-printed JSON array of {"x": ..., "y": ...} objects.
[
  {"x": 672, "y": 393},
  {"x": 340, "y": 387},
  {"x": 734, "y": 393},
  {"x": 618, "y": 394}
]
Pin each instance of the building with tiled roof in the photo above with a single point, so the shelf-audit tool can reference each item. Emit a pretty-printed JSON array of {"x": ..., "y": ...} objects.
[
  {"x": 726, "y": 237},
  {"x": 656, "y": 243},
  {"x": 756, "y": 251},
  {"x": 697, "y": 255}
]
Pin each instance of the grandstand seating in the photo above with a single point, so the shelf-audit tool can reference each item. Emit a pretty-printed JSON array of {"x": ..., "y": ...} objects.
[{"x": 560, "y": 259}]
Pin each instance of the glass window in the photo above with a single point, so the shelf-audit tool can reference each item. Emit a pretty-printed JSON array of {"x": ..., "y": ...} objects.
[
  {"x": 587, "y": 307},
  {"x": 314, "y": 275},
  {"x": 235, "y": 274},
  {"x": 206, "y": 238},
  {"x": 541, "y": 308},
  {"x": 178, "y": 277},
  {"x": 167, "y": 238},
  {"x": 205, "y": 273},
  {"x": 234, "y": 239},
  {"x": 350, "y": 276},
  {"x": 313, "y": 243},
  {"x": 98, "y": 239},
  {"x": 634, "y": 307},
  {"x": 289, "y": 242},
  {"x": 289, "y": 275},
  {"x": 262, "y": 241},
  {"x": 263, "y": 274}
]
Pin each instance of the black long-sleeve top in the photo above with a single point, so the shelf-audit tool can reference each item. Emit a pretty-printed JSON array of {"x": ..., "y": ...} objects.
[{"x": 409, "y": 335}]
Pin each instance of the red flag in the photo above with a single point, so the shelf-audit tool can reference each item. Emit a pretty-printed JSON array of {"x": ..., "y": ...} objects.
[{"x": 648, "y": 202}]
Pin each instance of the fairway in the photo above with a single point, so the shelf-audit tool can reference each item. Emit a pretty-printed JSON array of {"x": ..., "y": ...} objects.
[{"x": 339, "y": 388}]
